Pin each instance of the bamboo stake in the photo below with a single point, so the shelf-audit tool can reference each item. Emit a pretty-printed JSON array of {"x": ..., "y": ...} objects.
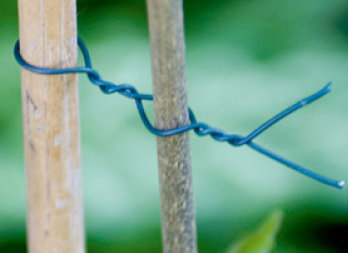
[
  {"x": 171, "y": 110},
  {"x": 51, "y": 127}
]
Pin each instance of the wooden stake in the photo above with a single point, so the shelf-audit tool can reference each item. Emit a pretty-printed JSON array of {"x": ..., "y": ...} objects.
[
  {"x": 171, "y": 110},
  {"x": 51, "y": 127}
]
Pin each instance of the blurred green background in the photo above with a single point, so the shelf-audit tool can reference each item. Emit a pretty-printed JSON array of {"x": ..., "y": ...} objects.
[{"x": 246, "y": 60}]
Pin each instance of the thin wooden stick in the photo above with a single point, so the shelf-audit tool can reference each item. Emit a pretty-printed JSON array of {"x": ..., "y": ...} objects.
[
  {"x": 171, "y": 110},
  {"x": 51, "y": 128}
]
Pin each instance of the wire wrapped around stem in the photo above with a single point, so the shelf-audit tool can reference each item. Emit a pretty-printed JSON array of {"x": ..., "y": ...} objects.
[{"x": 200, "y": 128}]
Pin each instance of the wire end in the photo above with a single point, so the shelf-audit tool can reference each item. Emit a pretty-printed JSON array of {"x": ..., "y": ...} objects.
[
  {"x": 328, "y": 87},
  {"x": 341, "y": 184}
]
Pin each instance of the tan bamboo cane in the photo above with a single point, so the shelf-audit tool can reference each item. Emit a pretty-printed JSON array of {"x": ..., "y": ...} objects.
[
  {"x": 51, "y": 127},
  {"x": 171, "y": 110}
]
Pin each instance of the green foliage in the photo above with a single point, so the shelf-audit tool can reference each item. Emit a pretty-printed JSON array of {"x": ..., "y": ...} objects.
[
  {"x": 246, "y": 60},
  {"x": 262, "y": 239}
]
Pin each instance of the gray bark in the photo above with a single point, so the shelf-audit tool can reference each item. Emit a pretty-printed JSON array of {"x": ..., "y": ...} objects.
[{"x": 171, "y": 110}]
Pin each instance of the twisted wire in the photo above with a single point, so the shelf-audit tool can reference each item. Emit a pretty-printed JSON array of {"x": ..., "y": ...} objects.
[{"x": 200, "y": 128}]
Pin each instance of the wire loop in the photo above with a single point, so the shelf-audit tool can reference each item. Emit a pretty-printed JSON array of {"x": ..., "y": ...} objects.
[{"x": 200, "y": 128}]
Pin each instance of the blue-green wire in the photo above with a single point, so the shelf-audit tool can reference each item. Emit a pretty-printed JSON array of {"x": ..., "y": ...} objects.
[{"x": 201, "y": 129}]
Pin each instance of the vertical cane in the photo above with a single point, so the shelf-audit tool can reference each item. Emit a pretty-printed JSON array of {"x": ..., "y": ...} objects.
[
  {"x": 51, "y": 127},
  {"x": 171, "y": 110}
]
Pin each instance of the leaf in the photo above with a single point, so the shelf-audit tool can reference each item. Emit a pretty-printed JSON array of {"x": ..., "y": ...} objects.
[{"x": 262, "y": 239}]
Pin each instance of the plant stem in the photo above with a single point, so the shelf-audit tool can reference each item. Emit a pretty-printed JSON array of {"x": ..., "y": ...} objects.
[{"x": 171, "y": 110}]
